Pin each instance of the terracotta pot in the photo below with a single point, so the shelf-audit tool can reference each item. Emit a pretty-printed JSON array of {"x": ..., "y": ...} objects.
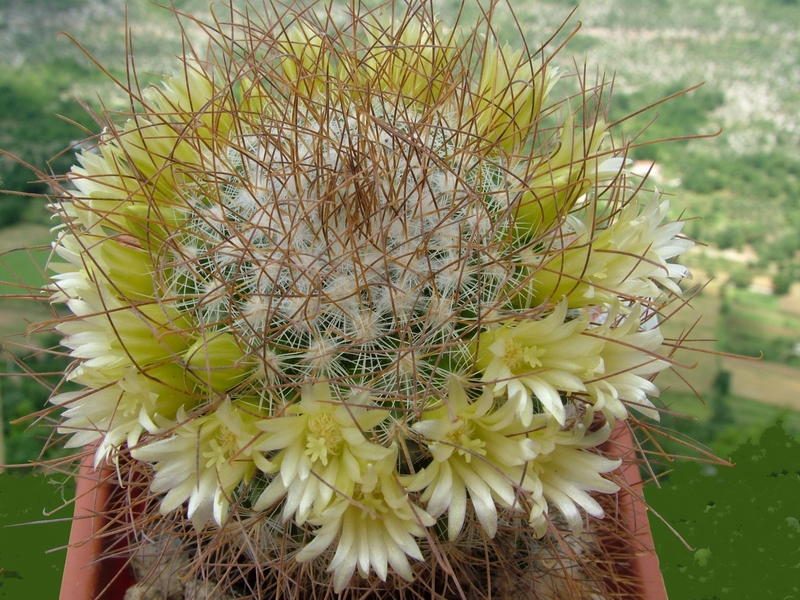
[
  {"x": 643, "y": 563},
  {"x": 87, "y": 577}
]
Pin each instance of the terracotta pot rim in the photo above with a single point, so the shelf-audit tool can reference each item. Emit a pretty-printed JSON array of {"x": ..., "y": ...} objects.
[
  {"x": 644, "y": 560},
  {"x": 87, "y": 575}
]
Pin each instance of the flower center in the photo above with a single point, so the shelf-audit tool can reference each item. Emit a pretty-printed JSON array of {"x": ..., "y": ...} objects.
[
  {"x": 129, "y": 405},
  {"x": 372, "y": 500},
  {"x": 532, "y": 356},
  {"x": 224, "y": 445},
  {"x": 516, "y": 355},
  {"x": 461, "y": 438},
  {"x": 324, "y": 437}
]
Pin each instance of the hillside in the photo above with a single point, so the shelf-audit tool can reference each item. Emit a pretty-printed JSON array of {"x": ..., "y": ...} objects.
[{"x": 742, "y": 50}]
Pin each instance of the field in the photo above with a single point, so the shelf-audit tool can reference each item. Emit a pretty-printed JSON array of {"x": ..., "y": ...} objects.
[
  {"x": 22, "y": 273},
  {"x": 769, "y": 383}
]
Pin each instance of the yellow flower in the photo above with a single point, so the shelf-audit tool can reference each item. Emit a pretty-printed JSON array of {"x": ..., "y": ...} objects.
[
  {"x": 95, "y": 283},
  {"x": 563, "y": 472},
  {"x": 119, "y": 413},
  {"x": 539, "y": 358},
  {"x": 489, "y": 457},
  {"x": 375, "y": 524},
  {"x": 322, "y": 449},
  {"x": 629, "y": 353},
  {"x": 471, "y": 458},
  {"x": 205, "y": 460},
  {"x": 628, "y": 258}
]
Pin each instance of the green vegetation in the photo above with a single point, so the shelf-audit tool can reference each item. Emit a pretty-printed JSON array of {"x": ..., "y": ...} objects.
[
  {"x": 22, "y": 271},
  {"x": 34, "y": 522},
  {"x": 29, "y": 379},
  {"x": 39, "y": 123},
  {"x": 685, "y": 115},
  {"x": 742, "y": 524},
  {"x": 748, "y": 327}
]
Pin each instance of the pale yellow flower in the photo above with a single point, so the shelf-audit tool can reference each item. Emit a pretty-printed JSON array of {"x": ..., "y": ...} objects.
[
  {"x": 91, "y": 283},
  {"x": 488, "y": 457},
  {"x": 539, "y": 358},
  {"x": 562, "y": 471},
  {"x": 375, "y": 526},
  {"x": 629, "y": 356},
  {"x": 205, "y": 460},
  {"x": 119, "y": 413},
  {"x": 629, "y": 258},
  {"x": 322, "y": 450},
  {"x": 472, "y": 458}
]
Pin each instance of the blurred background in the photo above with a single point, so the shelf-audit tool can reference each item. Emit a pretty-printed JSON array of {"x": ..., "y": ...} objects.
[{"x": 739, "y": 190}]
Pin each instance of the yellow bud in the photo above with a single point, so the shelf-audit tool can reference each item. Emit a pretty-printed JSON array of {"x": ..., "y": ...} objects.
[
  {"x": 413, "y": 61},
  {"x": 218, "y": 362},
  {"x": 170, "y": 383},
  {"x": 128, "y": 269},
  {"x": 254, "y": 97},
  {"x": 153, "y": 149},
  {"x": 562, "y": 178},
  {"x": 194, "y": 100},
  {"x": 151, "y": 225},
  {"x": 149, "y": 333},
  {"x": 509, "y": 97},
  {"x": 304, "y": 63},
  {"x": 565, "y": 274}
]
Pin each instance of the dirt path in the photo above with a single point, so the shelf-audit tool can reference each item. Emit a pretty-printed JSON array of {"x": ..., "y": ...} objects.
[
  {"x": 24, "y": 234},
  {"x": 773, "y": 384}
]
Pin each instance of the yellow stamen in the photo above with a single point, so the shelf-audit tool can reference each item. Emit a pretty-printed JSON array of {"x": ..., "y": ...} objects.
[{"x": 324, "y": 437}]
